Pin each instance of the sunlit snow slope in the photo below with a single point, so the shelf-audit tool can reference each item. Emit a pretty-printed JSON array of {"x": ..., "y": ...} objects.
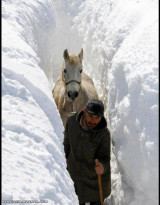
[
  {"x": 120, "y": 40},
  {"x": 33, "y": 162}
]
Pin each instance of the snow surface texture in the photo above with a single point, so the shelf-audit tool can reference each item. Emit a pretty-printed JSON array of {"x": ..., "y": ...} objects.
[
  {"x": 33, "y": 162},
  {"x": 120, "y": 42},
  {"x": 120, "y": 39}
]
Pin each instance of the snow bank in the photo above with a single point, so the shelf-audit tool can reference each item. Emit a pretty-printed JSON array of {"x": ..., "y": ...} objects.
[
  {"x": 120, "y": 40},
  {"x": 33, "y": 162}
]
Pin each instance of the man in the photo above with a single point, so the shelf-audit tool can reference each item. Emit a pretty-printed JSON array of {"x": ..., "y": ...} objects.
[{"x": 87, "y": 151}]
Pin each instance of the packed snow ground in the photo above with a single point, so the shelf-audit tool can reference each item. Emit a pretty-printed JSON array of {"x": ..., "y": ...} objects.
[{"x": 120, "y": 42}]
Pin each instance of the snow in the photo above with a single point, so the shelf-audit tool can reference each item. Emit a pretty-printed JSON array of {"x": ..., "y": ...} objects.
[
  {"x": 120, "y": 43},
  {"x": 33, "y": 163}
]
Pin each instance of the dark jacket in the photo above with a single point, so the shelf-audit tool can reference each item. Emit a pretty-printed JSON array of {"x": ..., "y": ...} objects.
[{"x": 81, "y": 148}]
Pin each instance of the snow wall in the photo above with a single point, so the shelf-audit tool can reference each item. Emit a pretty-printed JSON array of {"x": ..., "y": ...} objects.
[{"x": 120, "y": 42}]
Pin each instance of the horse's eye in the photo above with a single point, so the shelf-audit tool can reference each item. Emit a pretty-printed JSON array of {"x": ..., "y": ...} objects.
[
  {"x": 65, "y": 70},
  {"x": 81, "y": 71}
]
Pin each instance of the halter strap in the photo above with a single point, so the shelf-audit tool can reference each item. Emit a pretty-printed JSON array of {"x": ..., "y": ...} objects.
[{"x": 73, "y": 81}]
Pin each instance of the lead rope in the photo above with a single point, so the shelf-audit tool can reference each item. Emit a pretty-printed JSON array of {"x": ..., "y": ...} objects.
[{"x": 72, "y": 107}]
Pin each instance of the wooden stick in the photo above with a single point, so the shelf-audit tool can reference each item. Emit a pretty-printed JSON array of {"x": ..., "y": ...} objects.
[{"x": 100, "y": 189}]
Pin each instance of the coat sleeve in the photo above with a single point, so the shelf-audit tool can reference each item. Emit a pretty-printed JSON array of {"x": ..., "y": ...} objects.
[
  {"x": 103, "y": 152},
  {"x": 66, "y": 142}
]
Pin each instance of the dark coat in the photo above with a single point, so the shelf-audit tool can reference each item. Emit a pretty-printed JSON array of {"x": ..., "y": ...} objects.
[{"x": 81, "y": 148}]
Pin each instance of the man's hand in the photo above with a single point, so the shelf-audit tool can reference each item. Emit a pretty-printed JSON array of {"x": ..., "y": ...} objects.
[{"x": 99, "y": 167}]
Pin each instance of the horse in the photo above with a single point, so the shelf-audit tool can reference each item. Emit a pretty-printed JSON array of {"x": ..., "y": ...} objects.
[{"x": 73, "y": 87}]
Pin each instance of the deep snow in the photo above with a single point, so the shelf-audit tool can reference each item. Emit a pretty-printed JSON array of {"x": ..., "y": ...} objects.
[{"x": 120, "y": 42}]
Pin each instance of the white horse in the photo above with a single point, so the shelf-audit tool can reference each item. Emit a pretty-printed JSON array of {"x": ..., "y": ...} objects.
[{"x": 73, "y": 88}]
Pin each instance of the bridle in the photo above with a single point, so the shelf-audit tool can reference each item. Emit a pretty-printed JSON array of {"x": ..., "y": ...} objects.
[{"x": 73, "y": 81}]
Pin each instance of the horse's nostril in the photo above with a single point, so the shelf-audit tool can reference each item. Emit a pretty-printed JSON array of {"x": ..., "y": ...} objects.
[
  {"x": 76, "y": 94},
  {"x": 69, "y": 94}
]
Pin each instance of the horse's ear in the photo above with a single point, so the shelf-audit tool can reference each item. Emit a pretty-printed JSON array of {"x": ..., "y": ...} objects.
[
  {"x": 66, "y": 54},
  {"x": 80, "y": 55}
]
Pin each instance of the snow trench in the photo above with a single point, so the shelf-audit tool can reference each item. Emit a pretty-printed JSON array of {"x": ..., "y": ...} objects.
[
  {"x": 120, "y": 41},
  {"x": 113, "y": 36}
]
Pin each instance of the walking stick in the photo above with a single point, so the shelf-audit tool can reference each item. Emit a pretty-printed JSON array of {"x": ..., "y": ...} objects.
[
  {"x": 100, "y": 189},
  {"x": 100, "y": 185}
]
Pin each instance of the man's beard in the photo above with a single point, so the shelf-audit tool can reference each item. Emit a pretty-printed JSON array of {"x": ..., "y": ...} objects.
[{"x": 89, "y": 124}]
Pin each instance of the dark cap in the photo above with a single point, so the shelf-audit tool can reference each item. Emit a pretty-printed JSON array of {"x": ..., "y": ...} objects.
[{"x": 95, "y": 107}]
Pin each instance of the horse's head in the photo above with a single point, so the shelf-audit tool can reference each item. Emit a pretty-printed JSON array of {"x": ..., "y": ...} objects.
[{"x": 71, "y": 74}]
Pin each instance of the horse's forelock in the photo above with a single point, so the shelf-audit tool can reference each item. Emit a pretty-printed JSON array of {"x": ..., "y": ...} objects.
[{"x": 73, "y": 60}]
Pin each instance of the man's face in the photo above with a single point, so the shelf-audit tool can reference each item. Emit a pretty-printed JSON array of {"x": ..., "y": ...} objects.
[{"x": 91, "y": 120}]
